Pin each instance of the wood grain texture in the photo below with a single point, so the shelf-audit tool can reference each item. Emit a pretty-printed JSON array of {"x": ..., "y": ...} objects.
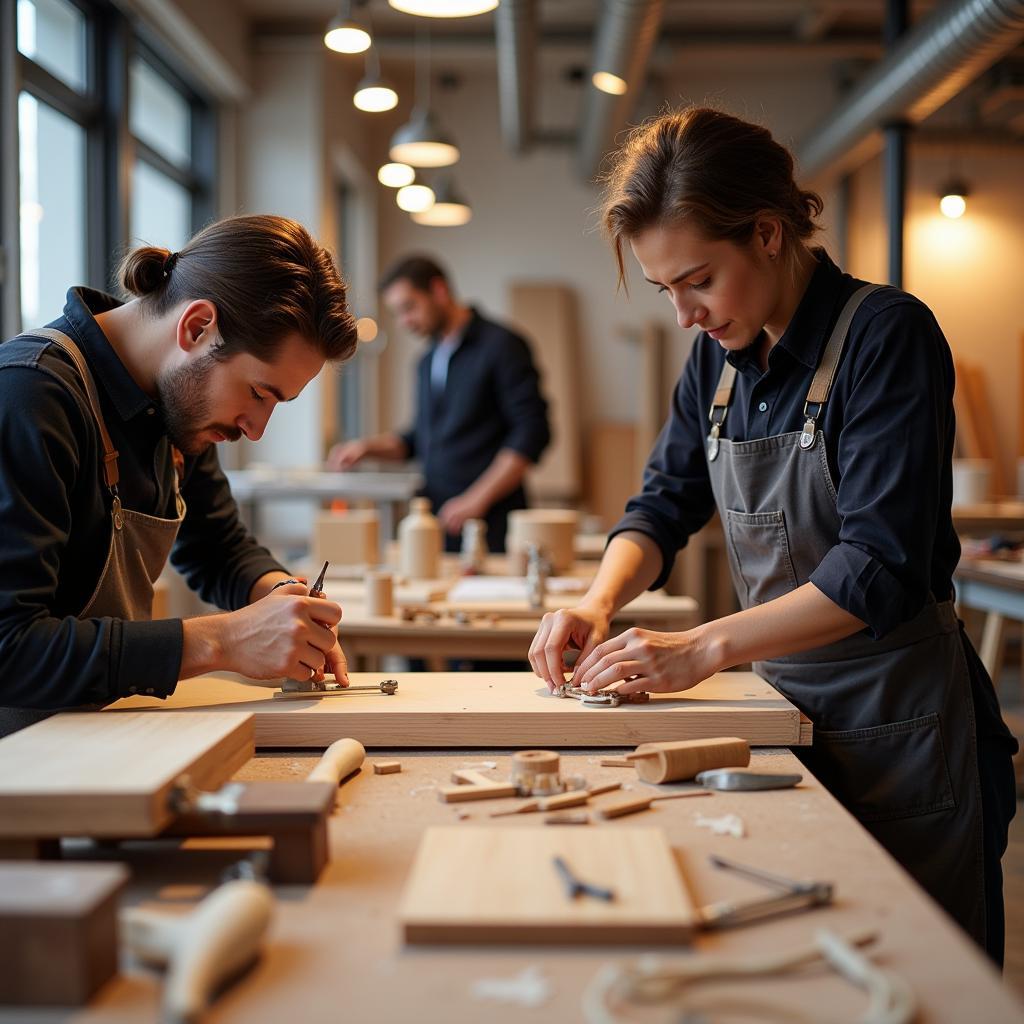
[
  {"x": 504, "y": 709},
  {"x": 499, "y": 885},
  {"x": 96, "y": 774}
]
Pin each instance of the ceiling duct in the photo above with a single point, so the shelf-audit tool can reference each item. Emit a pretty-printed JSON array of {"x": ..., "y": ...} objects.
[
  {"x": 515, "y": 30},
  {"x": 931, "y": 64},
  {"x": 625, "y": 36}
]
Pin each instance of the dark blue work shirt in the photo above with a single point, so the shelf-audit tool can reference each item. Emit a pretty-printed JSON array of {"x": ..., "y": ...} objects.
[
  {"x": 888, "y": 428},
  {"x": 55, "y": 518},
  {"x": 491, "y": 400}
]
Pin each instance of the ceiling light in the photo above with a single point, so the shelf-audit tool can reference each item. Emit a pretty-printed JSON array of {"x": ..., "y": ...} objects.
[
  {"x": 953, "y": 199},
  {"x": 396, "y": 175},
  {"x": 450, "y": 210},
  {"x": 366, "y": 328},
  {"x": 420, "y": 142},
  {"x": 607, "y": 82},
  {"x": 346, "y": 35},
  {"x": 444, "y": 8},
  {"x": 374, "y": 96},
  {"x": 415, "y": 198}
]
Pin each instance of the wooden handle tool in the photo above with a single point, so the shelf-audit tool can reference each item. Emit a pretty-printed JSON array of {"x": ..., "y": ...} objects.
[
  {"x": 204, "y": 948},
  {"x": 340, "y": 759},
  {"x": 632, "y": 804},
  {"x": 683, "y": 759}
]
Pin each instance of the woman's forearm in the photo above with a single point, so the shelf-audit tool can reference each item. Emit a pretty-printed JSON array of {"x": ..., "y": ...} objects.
[
  {"x": 797, "y": 621},
  {"x": 631, "y": 563}
]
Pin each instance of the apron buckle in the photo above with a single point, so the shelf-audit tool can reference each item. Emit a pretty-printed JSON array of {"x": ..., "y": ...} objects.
[
  {"x": 115, "y": 511},
  {"x": 808, "y": 435},
  {"x": 713, "y": 444}
]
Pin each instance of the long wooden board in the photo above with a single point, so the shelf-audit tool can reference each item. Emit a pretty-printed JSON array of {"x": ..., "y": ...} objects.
[
  {"x": 502, "y": 709},
  {"x": 500, "y": 885},
  {"x": 95, "y": 774}
]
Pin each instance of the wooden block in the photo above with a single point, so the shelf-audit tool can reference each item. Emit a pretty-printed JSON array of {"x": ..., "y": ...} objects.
[
  {"x": 499, "y": 885},
  {"x": 99, "y": 774},
  {"x": 514, "y": 709},
  {"x": 683, "y": 759},
  {"x": 612, "y": 474},
  {"x": 58, "y": 931},
  {"x": 386, "y": 767},
  {"x": 615, "y": 762},
  {"x": 347, "y": 538}
]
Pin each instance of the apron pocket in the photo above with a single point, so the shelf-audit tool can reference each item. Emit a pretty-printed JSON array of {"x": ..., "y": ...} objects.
[
  {"x": 760, "y": 554},
  {"x": 886, "y": 772}
]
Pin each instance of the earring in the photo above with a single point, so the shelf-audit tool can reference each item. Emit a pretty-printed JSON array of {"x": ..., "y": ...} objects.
[{"x": 772, "y": 255}]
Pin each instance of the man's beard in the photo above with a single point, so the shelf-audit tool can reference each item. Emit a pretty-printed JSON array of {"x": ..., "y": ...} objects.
[{"x": 185, "y": 404}]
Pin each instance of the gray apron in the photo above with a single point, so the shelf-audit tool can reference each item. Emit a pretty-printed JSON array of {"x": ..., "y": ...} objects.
[
  {"x": 139, "y": 544},
  {"x": 894, "y": 730}
]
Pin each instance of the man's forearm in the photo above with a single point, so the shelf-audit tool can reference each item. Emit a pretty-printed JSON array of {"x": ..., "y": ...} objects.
[
  {"x": 501, "y": 477},
  {"x": 631, "y": 563},
  {"x": 388, "y": 446}
]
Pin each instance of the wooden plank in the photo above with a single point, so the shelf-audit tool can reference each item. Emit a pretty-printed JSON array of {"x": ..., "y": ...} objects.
[
  {"x": 506, "y": 709},
  {"x": 499, "y": 885},
  {"x": 984, "y": 424},
  {"x": 968, "y": 431},
  {"x": 95, "y": 774},
  {"x": 546, "y": 313},
  {"x": 612, "y": 474}
]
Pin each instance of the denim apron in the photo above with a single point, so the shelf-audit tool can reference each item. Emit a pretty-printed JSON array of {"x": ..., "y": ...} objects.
[
  {"x": 139, "y": 544},
  {"x": 894, "y": 730}
]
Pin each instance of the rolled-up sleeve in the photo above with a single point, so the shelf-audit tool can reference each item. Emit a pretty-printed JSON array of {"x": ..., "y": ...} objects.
[
  {"x": 676, "y": 500},
  {"x": 893, "y": 468},
  {"x": 522, "y": 406}
]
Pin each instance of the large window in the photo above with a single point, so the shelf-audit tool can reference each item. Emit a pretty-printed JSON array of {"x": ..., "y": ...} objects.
[{"x": 113, "y": 148}]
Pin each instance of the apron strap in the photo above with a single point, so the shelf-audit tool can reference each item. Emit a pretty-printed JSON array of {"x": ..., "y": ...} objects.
[
  {"x": 824, "y": 376},
  {"x": 110, "y": 470},
  {"x": 720, "y": 406}
]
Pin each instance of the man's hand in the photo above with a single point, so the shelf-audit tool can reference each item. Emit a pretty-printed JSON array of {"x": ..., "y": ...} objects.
[
  {"x": 345, "y": 456},
  {"x": 455, "y": 511}
]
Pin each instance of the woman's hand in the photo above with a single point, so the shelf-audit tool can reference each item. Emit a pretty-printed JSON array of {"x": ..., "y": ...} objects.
[
  {"x": 580, "y": 629},
  {"x": 644, "y": 660}
]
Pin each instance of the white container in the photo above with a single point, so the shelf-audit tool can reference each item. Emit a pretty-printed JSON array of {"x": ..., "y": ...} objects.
[
  {"x": 972, "y": 481},
  {"x": 420, "y": 542},
  {"x": 553, "y": 530}
]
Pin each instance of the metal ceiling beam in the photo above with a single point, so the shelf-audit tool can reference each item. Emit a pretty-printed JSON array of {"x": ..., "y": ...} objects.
[
  {"x": 933, "y": 62},
  {"x": 625, "y": 37},
  {"x": 515, "y": 33}
]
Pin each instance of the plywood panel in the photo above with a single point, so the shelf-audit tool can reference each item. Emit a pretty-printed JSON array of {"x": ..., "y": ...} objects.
[
  {"x": 500, "y": 885},
  {"x": 94, "y": 774},
  {"x": 612, "y": 474},
  {"x": 546, "y": 313},
  {"x": 502, "y": 709}
]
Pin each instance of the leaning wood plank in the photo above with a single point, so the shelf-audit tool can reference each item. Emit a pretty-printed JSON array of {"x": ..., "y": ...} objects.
[
  {"x": 513, "y": 709},
  {"x": 96, "y": 774},
  {"x": 499, "y": 885}
]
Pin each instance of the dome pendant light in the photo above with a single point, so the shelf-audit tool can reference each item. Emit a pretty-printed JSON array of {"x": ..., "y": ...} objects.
[
  {"x": 444, "y": 8},
  {"x": 415, "y": 198},
  {"x": 953, "y": 199},
  {"x": 450, "y": 210},
  {"x": 346, "y": 35},
  {"x": 421, "y": 142},
  {"x": 396, "y": 175},
  {"x": 373, "y": 94}
]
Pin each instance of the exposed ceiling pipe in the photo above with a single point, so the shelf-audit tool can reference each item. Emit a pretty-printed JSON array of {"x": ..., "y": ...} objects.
[
  {"x": 625, "y": 36},
  {"x": 515, "y": 31},
  {"x": 931, "y": 64}
]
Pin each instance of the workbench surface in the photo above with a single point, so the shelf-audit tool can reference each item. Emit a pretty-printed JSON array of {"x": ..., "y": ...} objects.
[{"x": 335, "y": 952}]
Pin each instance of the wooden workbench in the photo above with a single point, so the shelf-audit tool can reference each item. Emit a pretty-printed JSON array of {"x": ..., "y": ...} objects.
[
  {"x": 496, "y": 709},
  {"x": 335, "y": 952}
]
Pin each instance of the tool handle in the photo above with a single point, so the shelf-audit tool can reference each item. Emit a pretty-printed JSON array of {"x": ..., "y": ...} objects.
[
  {"x": 340, "y": 759},
  {"x": 222, "y": 935}
]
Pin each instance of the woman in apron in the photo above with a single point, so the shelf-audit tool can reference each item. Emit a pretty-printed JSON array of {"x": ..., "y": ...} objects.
[{"x": 815, "y": 415}]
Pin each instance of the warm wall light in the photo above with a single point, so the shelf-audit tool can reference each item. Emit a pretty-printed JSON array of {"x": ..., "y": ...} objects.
[
  {"x": 396, "y": 175},
  {"x": 444, "y": 8},
  {"x": 366, "y": 328},
  {"x": 607, "y": 82},
  {"x": 415, "y": 198},
  {"x": 953, "y": 199},
  {"x": 345, "y": 35}
]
